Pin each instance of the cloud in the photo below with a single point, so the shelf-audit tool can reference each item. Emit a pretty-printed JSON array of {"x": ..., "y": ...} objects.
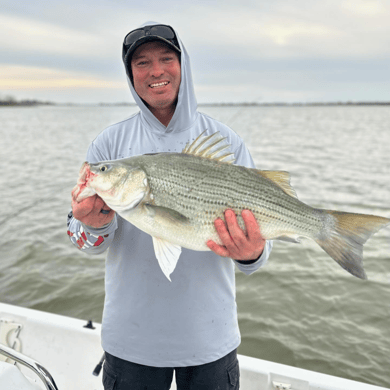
[
  {"x": 28, "y": 35},
  {"x": 282, "y": 33},
  {"x": 238, "y": 51},
  {"x": 24, "y": 77},
  {"x": 364, "y": 7},
  {"x": 319, "y": 29},
  {"x": 278, "y": 30}
]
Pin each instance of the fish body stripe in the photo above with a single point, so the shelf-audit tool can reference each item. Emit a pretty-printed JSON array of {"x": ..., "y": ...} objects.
[{"x": 179, "y": 183}]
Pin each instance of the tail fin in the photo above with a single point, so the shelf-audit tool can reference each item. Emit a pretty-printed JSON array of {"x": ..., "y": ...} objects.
[{"x": 344, "y": 243}]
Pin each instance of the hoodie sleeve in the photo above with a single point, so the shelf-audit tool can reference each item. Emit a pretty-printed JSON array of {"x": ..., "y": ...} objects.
[
  {"x": 244, "y": 158},
  {"x": 91, "y": 240}
]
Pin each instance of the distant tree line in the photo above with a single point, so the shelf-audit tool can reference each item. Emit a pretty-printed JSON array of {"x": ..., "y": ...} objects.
[
  {"x": 256, "y": 104},
  {"x": 11, "y": 101}
]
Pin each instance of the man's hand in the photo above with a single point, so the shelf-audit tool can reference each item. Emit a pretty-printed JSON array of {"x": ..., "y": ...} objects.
[
  {"x": 89, "y": 210},
  {"x": 237, "y": 244}
]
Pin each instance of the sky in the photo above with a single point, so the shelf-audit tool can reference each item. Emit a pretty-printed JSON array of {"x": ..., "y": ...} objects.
[{"x": 241, "y": 51}]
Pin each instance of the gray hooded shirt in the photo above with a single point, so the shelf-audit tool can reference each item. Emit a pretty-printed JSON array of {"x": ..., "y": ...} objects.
[{"x": 147, "y": 319}]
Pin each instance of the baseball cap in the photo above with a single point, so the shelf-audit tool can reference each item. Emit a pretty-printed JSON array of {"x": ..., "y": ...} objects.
[{"x": 139, "y": 36}]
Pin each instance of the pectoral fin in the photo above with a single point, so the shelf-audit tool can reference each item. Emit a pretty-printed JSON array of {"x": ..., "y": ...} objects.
[
  {"x": 290, "y": 238},
  {"x": 160, "y": 214},
  {"x": 167, "y": 255}
]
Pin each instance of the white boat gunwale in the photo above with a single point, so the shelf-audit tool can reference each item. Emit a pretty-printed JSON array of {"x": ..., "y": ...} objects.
[{"x": 70, "y": 347}]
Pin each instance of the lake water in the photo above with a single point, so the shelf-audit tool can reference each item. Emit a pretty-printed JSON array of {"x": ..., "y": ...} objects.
[{"x": 302, "y": 309}]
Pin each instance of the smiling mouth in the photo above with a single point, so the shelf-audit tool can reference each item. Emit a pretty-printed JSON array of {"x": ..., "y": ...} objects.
[{"x": 159, "y": 85}]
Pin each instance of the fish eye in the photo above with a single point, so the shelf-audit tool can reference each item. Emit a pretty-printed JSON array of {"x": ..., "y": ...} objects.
[{"x": 103, "y": 168}]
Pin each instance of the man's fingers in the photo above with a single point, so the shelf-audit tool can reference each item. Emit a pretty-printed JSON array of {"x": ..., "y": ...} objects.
[
  {"x": 224, "y": 233},
  {"x": 237, "y": 243},
  {"x": 89, "y": 211},
  {"x": 234, "y": 228},
  {"x": 251, "y": 225},
  {"x": 218, "y": 249},
  {"x": 83, "y": 208},
  {"x": 99, "y": 204}
]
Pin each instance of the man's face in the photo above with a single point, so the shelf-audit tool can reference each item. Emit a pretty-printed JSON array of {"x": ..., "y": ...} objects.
[{"x": 156, "y": 74}]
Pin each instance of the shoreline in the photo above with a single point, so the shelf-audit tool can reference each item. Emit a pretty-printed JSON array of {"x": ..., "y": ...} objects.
[{"x": 34, "y": 103}]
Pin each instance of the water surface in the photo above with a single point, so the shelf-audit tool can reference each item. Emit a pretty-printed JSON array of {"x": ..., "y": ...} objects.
[{"x": 302, "y": 309}]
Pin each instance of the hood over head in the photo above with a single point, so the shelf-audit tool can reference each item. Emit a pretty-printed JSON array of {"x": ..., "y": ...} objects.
[{"x": 186, "y": 109}]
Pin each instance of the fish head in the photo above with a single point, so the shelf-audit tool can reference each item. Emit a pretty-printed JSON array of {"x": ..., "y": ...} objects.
[{"x": 120, "y": 185}]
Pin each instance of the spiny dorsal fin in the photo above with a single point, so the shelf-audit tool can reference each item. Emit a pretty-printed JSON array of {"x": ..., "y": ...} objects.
[
  {"x": 211, "y": 147},
  {"x": 280, "y": 178}
]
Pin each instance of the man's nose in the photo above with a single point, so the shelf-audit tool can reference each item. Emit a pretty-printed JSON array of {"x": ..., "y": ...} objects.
[{"x": 157, "y": 69}]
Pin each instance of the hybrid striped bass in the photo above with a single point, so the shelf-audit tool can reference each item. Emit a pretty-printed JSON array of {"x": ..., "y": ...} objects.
[{"x": 176, "y": 197}]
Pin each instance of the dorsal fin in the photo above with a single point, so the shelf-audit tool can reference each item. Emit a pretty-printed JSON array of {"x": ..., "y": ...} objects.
[
  {"x": 280, "y": 178},
  {"x": 211, "y": 147}
]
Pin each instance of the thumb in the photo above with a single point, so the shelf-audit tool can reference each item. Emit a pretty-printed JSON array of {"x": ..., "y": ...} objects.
[
  {"x": 100, "y": 204},
  {"x": 83, "y": 208}
]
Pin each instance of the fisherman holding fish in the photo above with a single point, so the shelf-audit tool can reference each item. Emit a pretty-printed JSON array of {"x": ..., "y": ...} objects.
[
  {"x": 151, "y": 201},
  {"x": 152, "y": 327}
]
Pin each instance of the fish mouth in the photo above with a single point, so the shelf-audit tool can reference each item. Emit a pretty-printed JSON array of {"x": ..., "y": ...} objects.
[
  {"x": 82, "y": 190},
  {"x": 159, "y": 84}
]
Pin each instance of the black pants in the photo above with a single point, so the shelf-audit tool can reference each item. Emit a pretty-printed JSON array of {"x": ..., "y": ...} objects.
[{"x": 223, "y": 374}]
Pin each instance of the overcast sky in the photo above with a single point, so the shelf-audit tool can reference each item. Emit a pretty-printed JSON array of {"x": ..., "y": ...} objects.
[{"x": 241, "y": 50}]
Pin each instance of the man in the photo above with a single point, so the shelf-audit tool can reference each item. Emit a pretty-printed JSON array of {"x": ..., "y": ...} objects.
[{"x": 152, "y": 327}]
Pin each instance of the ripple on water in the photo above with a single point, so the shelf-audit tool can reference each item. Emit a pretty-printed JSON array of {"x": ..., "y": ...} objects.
[{"x": 302, "y": 309}]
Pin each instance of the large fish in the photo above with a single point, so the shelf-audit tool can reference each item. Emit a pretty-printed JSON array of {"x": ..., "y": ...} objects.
[{"x": 176, "y": 197}]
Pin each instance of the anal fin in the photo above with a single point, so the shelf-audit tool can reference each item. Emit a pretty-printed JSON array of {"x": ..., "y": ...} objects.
[
  {"x": 164, "y": 213},
  {"x": 167, "y": 255}
]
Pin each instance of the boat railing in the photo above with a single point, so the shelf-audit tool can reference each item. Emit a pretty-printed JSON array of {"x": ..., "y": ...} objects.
[{"x": 32, "y": 364}]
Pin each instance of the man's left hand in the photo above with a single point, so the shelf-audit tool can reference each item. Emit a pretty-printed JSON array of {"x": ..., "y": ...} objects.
[{"x": 235, "y": 243}]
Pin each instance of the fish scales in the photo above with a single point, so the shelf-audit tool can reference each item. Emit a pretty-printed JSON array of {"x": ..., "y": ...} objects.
[
  {"x": 176, "y": 197},
  {"x": 192, "y": 184}
]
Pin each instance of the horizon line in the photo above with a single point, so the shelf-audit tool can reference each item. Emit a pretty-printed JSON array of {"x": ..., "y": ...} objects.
[{"x": 34, "y": 102}]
